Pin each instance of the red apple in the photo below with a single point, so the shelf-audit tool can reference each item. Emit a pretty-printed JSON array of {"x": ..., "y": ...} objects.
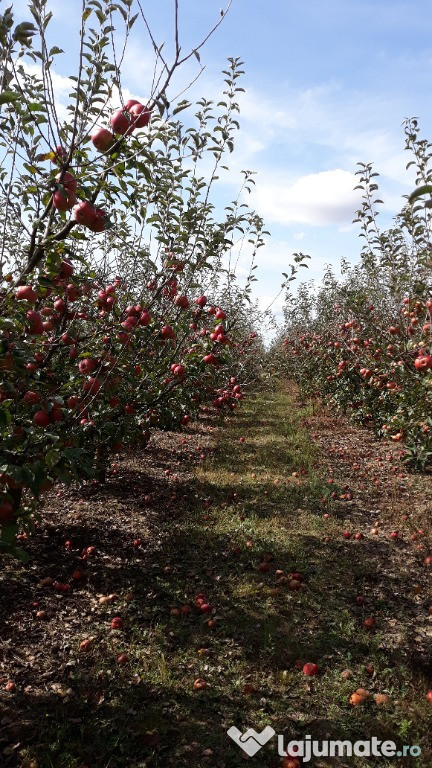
[
  {"x": 145, "y": 318},
  {"x": 59, "y": 305},
  {"x": 167, "y": 332},
  {"x": 26, "y": 292},
  {"x": 102, "y": 139},
  {"x": 63, "y": 201},
  {"x": 130, "y": 103},
  {"x": 369, "y": 623},
  {"x": 120, "y": 122},
  {"x": 140, "y": 115},
  {"x": 91, "y": 386},
  {"x": 181, "y": 301},
  {"x": 32, "y": 398},
  {"x": 66, "y": 269},
  {"x": 98, "y": 223},
  {"x": 41, "y": 419},
  {"x": 210, "y": 359},
  {"x": 310, "y": 669},
  {"x": 84, "y": 213},
  {"x": 87, "y": 365}
]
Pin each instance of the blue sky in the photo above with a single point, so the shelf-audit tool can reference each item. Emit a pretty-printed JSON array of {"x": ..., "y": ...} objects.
[{"x": 328, "y": 84}]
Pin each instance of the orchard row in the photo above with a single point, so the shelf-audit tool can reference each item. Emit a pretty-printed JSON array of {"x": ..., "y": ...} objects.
[
  {"x": 119, "y": 312},
  {"x": 85, "y": 374},
  {"x": 379, "y": 374}
]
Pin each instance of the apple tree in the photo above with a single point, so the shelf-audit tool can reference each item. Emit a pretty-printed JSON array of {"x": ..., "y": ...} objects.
[
  {"x": 363, "y": 342},
  {"x": 119, "y": 310}
]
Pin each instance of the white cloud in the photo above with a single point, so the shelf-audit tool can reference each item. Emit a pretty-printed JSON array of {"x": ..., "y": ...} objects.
[
  {"x": 265, "y": 113},
  {"x": 317, "y": 199},
  {"x": 318, "y": 129},
  {"x": 317, "y": 135}
]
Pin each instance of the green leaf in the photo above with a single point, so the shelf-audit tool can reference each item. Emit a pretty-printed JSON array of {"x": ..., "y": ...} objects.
[
  {"x": 8, "y": 97},
  {"x": 182, "y": 105},
  {"x": 425, "y": 189}
]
